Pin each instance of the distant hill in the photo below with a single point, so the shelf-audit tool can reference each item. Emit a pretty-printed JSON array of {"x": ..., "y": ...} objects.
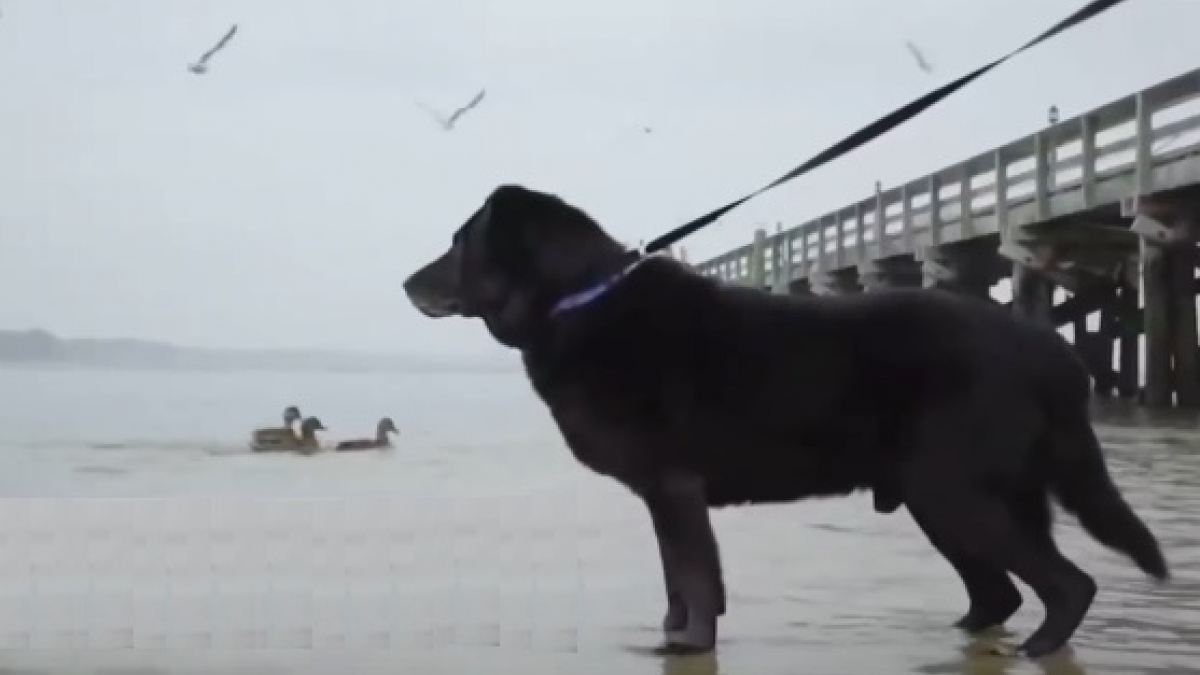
[{"x": 37, "y": 346}]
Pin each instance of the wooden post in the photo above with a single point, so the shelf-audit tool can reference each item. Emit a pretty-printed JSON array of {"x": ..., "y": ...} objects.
[
  {"x": 934, "y": 185},
  {"x": 906, "y": 219},
  {"x": 1182, "y": 261},
  {"x": 1041, "y": 182},
  {"x": 758, "y": 259},
  {"x": 1106, "y": 340},
  {"x": 966, "y": 221},
  {"x": 822, "y": 260},
  {"x": 880, "y": 224},
  {"x": 1129, "y": 327},
  {"x": 786, "y": 272},
  {"x": 1001, "y": 190},
  {"x": 1156, "y": 316},
  {"x": 860, "y": 234},
  {"x": 840, "y": 252},
  {"x": 1087, "y": 158},
  {"x": 802, "y": 238},
  {"x": 1143, "y": 160},
  {"x": 1033, "y": 294},
  {"x": 1083, "y": 339}
]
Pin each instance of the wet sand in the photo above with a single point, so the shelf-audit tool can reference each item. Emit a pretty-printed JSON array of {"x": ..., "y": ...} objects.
[{"x": 559, "y": 578}]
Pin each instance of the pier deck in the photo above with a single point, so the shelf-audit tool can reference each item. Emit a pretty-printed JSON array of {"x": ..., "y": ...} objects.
[{"x": 1101, "y": 205}]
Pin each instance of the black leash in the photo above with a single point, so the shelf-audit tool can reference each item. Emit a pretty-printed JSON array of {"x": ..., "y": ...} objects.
[{"x": 879, "y": 127}]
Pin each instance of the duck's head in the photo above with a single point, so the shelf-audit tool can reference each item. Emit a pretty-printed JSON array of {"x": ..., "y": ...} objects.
[
  {"x": 387, "y": 426},
  {"x": 311, "y": 424},
  {"x": 291, "y": 414}
]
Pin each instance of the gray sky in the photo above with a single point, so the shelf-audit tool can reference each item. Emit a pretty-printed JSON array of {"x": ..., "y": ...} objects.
[{"x": 280, "y": 200}]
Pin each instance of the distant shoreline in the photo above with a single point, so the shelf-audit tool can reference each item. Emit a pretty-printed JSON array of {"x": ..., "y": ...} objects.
[
  {"x": 40, "y": 349},
  {"x": 441, "y": 366}
]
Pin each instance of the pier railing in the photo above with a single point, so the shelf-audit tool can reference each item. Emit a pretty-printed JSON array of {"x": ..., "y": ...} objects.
[{"x": 1146, "y": 142}]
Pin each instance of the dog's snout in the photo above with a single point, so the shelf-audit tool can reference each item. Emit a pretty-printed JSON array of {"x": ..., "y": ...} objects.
[
  {"x": 431, "y": 304},
  {"x": 412, "y": 285},
  {"x": 432, "y": 290},
  {"x": 437, "y": 310}
]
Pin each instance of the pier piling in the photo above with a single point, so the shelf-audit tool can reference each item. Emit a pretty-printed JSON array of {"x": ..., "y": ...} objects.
[{"x": 1097, "y": 210}]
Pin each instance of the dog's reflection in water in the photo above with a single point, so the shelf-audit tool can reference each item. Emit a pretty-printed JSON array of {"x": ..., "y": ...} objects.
[
  {"x": 985, "y": 656},
  {"x": 700, "y": 664},
  {"x": 978, "y": 658}
]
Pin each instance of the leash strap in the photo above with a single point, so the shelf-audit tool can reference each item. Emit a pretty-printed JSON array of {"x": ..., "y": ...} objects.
[{"x": 879, "y": 127}]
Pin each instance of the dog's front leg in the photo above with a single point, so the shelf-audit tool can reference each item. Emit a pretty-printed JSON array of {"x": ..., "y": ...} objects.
[
  {"x": 675, "y": 620},
  {"x": 691, "y": 560}
]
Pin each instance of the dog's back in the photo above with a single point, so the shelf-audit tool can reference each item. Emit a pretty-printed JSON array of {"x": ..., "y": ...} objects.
[
  {"x": 886, "y": 346},
  {"x": 921, "y": 345},
  {"x": 814, "y": 395}
]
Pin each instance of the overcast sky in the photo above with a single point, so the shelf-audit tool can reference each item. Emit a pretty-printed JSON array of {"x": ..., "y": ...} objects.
[{"x": 279, "y": 200}]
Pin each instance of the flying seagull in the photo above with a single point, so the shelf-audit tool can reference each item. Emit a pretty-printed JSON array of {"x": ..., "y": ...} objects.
[
  {"x": 448, "y": 122},
  {"x": 921, "y": 62},
  {"x": 201, "y": 67}
]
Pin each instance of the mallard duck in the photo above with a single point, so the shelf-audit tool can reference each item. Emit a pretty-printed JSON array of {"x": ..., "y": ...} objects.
[
  {"x": 268, "y": 437},
  {"x": 308, "y": 443},
  {"x": 381, "y": 440}
]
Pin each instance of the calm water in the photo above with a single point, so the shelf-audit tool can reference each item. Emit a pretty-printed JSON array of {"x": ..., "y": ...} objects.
[{"x": 477, "y": 545}]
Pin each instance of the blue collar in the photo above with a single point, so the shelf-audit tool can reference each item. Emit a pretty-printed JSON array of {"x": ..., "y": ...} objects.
[{"x": 589, "y": 294}]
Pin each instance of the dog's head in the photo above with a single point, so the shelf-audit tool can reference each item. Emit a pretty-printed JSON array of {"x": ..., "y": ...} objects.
[{"x": 518, "y": 255}]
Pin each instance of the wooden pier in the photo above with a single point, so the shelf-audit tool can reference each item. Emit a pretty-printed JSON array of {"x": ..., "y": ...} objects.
[{"x": 1101, "y": 206}]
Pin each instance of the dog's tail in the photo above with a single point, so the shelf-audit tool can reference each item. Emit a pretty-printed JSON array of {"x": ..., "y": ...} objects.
[{"x": 1080, "y": 479}]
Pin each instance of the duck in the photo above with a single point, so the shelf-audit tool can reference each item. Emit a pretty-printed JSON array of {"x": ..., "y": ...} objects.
[
  {"x": 308, "y": 443},
  {"x": 267, "y": 438},
  {"x": 305, "y": 442},
  {"x": 382, "y": 439}
]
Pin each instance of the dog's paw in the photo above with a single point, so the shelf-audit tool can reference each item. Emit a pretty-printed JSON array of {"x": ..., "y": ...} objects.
[
  {"x": 700, "y": 637},
  {"x": 1002, "y": 650},
  {"x": 673, "y": 648}
]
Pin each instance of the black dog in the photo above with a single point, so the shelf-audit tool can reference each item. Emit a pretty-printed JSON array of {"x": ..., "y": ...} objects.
[{"x": 696, "y": 394}]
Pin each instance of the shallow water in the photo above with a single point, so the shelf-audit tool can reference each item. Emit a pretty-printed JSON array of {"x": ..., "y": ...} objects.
[{"x": 139, "y": 536}]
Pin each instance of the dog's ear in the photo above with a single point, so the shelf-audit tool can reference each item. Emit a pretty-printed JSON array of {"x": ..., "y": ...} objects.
[
  {"x": 510, "y": 194},
  {"x": 509, "y": 212},
  {"x": 554, "y": 240},
  {"x": 510, "y": 225}
]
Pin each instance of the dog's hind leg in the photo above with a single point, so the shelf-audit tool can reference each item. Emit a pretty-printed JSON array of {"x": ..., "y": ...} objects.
[
  {"x": 975, "y": 501},
  {"x": 993, "y": 596},
  {"x": 1076, "y": 589},
  {"x": 987, "y": 527},
  {"x": 679, "y": 509}
]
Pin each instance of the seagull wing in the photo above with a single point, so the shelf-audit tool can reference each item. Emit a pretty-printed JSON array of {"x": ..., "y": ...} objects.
[
  {"x": 921, "y": 62},
  {"x": 470, "y": 104},
  {"x": 220, "y": 45},
  {"x": 432, "y": 113}
]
